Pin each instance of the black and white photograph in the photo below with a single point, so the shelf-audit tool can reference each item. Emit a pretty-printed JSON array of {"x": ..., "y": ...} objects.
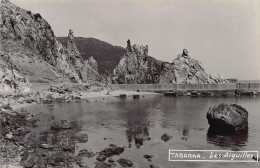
[{"x": 130, "y": 84}]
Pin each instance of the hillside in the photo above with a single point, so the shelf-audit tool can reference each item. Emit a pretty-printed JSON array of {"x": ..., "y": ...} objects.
[
  {"x": 106, "y": 55},
  {"x": 31, "y": 48}
]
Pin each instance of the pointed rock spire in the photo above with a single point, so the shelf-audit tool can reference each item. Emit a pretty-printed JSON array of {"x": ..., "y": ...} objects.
[{"x": 71, "y": 46}]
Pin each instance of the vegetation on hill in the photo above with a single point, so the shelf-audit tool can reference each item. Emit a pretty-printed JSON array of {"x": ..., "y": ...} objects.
[{"x": 106, "y": 55}]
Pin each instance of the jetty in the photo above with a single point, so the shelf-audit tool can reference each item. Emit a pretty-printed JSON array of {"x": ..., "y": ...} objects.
[{"x": 202, "y": 89}]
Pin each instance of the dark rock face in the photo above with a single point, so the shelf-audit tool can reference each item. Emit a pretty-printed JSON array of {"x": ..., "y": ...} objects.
[
  {"x": 228, "y": 117},
  {"x": 166, "y": 137}
]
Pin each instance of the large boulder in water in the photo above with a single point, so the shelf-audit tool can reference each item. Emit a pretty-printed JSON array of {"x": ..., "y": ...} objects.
[{"x": 226, "y": 117}]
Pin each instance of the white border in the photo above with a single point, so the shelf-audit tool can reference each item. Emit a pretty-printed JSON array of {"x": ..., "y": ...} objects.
[{"x": 169, "y": 159}]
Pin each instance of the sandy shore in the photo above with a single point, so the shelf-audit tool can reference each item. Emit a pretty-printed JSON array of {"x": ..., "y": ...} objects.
[
  {"x": 88, "y": 95},
  {"x": 83, "y": 95}
]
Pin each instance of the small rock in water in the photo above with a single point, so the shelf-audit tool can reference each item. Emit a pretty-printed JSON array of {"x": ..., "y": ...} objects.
[
  {"x": 154, "y": 166},
  {"x": 136, "y": 96},
  {"x": 165, "y": 137},
  {"x": 101, "y": 158},
  {"x": 82, "y": 164},
  {"x": 255, "y": 158},
  {"x": 60, "y": 126},
  {"x": 184, "y": 138},
  {"x": 148, "y": 157},
  {"x": 112, "y": 150},
  {"x": 104, "y": 165},
  {"x": 125, "y": 162},
  {"x": 86, "y": 153},
  {"x": 111, "y": 160},
  {"x": 122, "y": 96}
]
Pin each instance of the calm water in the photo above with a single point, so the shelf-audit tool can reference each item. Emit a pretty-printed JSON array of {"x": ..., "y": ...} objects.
[{"x": 123, "y": 122}]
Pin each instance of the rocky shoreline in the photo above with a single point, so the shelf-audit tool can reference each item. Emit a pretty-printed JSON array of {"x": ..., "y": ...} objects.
[
  {"x": 62, "y": 93},
  {"x": 23, "y": 146}
]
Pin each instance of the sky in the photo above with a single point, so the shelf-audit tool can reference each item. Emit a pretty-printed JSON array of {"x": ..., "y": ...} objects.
[{"x": 224, "y": 35}]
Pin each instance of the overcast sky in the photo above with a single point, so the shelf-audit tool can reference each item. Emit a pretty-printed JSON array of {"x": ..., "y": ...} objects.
[{"x": 223, "y": 34}]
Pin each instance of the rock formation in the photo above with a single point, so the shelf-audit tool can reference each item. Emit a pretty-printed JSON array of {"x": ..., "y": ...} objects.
[
  {"x": 226, "y": 117},
  {"x": 10, "y": 79},
  {"x": 184, "y": 69},
  {"x": 136, "y": 66},
  {"x": 90, "y": 71},
  {"x": 74, "y": 54},
  {"x": 92, "y": 63},
  {"x": 136, "y": 49},
  {"x": 33, "y": 48}
]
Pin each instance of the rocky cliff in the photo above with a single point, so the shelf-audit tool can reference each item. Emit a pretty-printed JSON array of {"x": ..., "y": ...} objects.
[
  {"x": 10, "y": 78},
  {"x": 136, "y": 66},
  {"x": 88, "y": 69},
  {"x": 184, "y": 69},
  {"x": 34, "y": 50}
]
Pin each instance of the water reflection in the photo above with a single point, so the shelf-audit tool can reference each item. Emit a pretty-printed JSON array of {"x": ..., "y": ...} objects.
[
  {"x": 137, "y": 129},
  {"x": 185, "y": 131},
  {"x": 227, "y": 139},
  {"x": 139, "y": 134},
  {"x": 133, "y": 122}
]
